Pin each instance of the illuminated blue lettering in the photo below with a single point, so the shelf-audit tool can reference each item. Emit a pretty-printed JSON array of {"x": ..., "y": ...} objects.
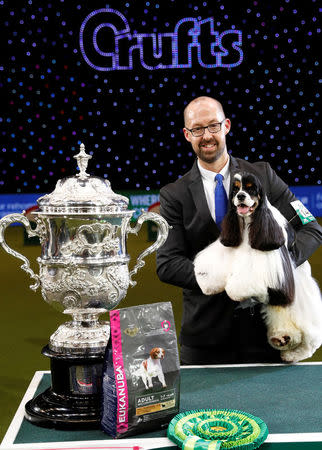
[{"x": 106, "y": 44}]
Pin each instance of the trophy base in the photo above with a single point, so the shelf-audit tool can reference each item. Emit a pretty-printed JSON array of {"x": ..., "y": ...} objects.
[{"x": 74, "y": 399}]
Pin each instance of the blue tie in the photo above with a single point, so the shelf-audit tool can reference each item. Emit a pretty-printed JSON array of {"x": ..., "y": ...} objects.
[{"x": 220, "y": 200}]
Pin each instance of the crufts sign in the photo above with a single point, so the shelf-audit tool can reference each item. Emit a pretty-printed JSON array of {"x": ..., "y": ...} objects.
[{"x": 106, "y": 43}]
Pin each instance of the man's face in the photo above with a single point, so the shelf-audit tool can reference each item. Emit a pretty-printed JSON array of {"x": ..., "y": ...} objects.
[{"x": 211, "y": 146}]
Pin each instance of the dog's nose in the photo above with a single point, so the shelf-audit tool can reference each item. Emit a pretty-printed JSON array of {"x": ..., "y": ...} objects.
[{"x": 241, "y": 196}]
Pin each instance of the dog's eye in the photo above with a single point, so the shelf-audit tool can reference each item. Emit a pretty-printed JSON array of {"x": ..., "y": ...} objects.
[
  {"x": 249, "y": 185},
  {"x": 236, "y": 186},
  {"x": 252, "y": 190}
]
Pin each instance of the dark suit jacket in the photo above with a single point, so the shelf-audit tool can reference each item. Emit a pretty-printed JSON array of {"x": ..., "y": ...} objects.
[{"x": 207, "y": 320}]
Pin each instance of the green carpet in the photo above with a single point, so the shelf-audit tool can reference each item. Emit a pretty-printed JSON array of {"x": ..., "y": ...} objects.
[
  {"x": 26, "y": 321},
  {"x": 271, "y": 393}
]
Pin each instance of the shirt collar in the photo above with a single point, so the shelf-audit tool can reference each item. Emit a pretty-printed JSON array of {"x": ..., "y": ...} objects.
[{"x": 210, "y": 175}]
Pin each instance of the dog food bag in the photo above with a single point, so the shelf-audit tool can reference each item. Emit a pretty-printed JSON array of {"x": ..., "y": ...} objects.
[{"x": 141, "y": 375}]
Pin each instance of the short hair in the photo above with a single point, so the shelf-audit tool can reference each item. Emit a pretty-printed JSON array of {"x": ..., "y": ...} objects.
[{"x": 198, "y": 100}]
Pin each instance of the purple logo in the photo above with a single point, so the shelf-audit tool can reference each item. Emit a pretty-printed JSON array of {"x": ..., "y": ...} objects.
[{"x": 107, "y": 43}]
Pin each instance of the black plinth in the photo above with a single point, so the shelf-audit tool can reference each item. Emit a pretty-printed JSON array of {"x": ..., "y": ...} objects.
[{"x": 73, "y": 401}]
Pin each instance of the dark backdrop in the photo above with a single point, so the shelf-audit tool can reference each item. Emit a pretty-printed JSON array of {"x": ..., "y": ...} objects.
[{"x": 66, "y": 85}]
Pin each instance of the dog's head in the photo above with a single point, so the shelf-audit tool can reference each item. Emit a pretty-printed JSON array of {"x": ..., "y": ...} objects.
[
  {"x": 247, "y": 194},
  {"x": 250, "y": 210},
  {"x": 157, "y": 353}
]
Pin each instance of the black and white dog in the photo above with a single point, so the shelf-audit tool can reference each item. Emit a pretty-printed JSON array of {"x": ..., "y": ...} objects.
[{"x": 250, "y": 259}]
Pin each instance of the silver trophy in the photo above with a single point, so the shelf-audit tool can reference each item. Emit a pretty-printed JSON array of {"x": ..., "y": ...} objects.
[{"x": 83, "y": 271}]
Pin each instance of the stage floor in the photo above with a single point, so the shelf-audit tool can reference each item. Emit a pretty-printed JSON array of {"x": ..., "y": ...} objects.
[{"x": 287, "y": 397}]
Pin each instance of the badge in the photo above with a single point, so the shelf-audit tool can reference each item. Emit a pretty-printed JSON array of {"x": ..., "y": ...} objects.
[{"x": 303, "y": 213}]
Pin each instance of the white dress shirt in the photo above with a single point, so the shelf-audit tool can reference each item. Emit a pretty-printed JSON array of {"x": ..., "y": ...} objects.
[{"x": 209, "y": 185}]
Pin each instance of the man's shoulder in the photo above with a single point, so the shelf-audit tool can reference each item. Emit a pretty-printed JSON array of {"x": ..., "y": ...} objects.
[
  {"x": 247, "y": 166},
  {"x": 261, "y": 169}
]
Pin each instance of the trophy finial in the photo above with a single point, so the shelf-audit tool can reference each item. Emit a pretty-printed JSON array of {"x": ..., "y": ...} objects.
[{"x": 82, "y": 161}]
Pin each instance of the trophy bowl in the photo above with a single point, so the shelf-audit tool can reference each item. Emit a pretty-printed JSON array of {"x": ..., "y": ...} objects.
[{"x": 83, "y": 271}]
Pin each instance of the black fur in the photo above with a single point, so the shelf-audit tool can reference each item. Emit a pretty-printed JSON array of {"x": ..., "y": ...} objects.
[
  {"x": 264, "y": 232},
  {"x": 230, "y": 234},
  {"x": 288, "y": 286},
  {"x": 277, "y": 297}
]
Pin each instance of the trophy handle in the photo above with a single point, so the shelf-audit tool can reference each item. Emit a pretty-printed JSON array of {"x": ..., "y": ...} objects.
[
  {"x": 163, "y": 230},
  {"x": 4, "y": 223}
]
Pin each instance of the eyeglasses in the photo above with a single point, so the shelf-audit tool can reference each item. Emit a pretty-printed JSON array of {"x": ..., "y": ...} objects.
[{"x": 212, "y": 128}]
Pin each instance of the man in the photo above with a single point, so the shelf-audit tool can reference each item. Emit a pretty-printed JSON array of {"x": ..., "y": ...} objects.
[{"x": 215, "y": 329}]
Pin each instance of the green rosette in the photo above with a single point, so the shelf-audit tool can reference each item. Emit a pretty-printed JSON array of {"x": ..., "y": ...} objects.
[{"x": 217, "y": 429}]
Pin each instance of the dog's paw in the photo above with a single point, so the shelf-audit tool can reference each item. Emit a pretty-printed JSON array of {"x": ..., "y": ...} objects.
[
  {"x": 280, "y": 342},
  {"x": 294, "y": 356},
  {"x": 237, "y": 298},
  {"x": 209, "y": 291},
  {"x": 285, "y": 340},
  {"x": 239, "y": 293},
  {"x": 288, "y": 357},
  {"x": 207, "y": 285}
]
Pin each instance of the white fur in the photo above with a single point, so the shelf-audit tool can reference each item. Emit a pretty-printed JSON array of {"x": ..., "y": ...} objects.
[
  {"x": 301, "y": 320},
  {"x": 244, "y": 272},
  {"x": 151, "y": 368}
]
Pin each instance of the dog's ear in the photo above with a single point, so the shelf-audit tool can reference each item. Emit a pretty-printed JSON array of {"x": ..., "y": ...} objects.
[
  {"x": 230, "y": 229},
  {"x": 153, "y": 353},
  {"x": 265, "y": 233}
]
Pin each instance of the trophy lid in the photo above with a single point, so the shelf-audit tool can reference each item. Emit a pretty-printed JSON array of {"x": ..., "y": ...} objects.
[{"x": 82, "y": 194}]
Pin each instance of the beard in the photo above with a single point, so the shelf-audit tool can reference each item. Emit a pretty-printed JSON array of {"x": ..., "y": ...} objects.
[{"x": 210, "y": 157}]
